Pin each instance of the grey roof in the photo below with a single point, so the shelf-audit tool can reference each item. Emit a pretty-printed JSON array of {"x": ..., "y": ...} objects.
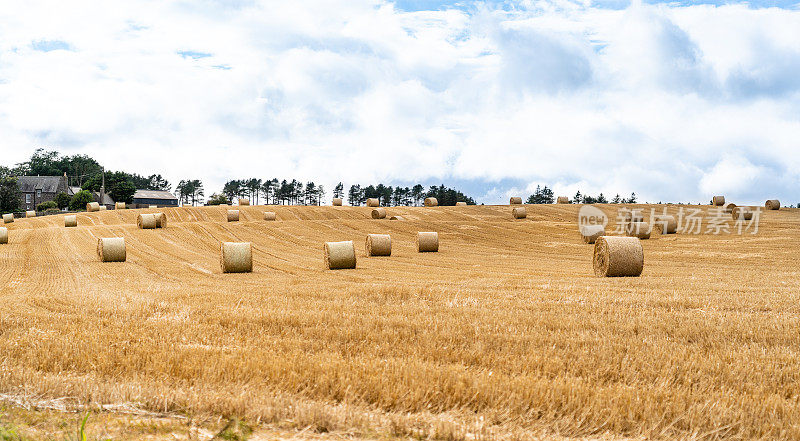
[
  {"x": 73, "y": 190},
  {"x": 106, "y": 199},
  {"x": 48, "y": 184},
  {"x": 153, "y": 194}
]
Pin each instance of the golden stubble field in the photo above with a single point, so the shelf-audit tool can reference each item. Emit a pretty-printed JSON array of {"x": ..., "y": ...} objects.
[{"x": 504, "y": 334}]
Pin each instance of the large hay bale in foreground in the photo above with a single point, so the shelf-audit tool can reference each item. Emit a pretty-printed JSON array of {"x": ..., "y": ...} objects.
[
  {"x": 773, "y": 204},
  {"x": 718, "y": 201},
  {"x": 728, "y": 207},
  {"x": 8, "y": 218},
  {"x": 519, "y": 213},
  {"x": 337, "y": 202},
  {"x": 119, "y": 206},
  {"x": 92, "y": 207},
  {"x": 146, "y": 221},
  {"x": 618, "y": 257},
  {"x": 244, "y": 202},
  {"x": 590, "y": 233},
  {"x": 562, "y": 200},
  {"x": 70, "y": 221},
  {"x": 461, "y": 204},
  {"x": 161, "y": 220},
  {"x": 742, "y": 213},
  {"x": 516, "y": 200},
  {"x": 236, "y": 257},
  {"x": 373, "y": 202},
  {"x": 30, "y": 213},
  {"x": 340, "y": 255},
  {"x": 379, "y": 213},
  {"x": 233, "y": 215},
  {"x": 3, "y": 235},
  {"x": 427, "y": 242},
  {"x": 379, "y": 245},
  {"x": 668, "y": 223},
  {"x": 431, "y": 202},
  {"x": 639, "y": 230},
  {"x": 270, "y": 216},
  {"x": 111, "y": 249}
]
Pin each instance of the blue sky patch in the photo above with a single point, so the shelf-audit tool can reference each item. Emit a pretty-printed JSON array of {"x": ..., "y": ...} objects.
[
  {"x": 50, "y": 45},
  {"x": 193, "y": 55}
]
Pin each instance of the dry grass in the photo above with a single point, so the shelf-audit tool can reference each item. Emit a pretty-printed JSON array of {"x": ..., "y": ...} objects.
[{"x": 505, "y": 333}]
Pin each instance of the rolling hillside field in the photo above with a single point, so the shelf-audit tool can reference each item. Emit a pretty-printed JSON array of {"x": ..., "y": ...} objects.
[{"x": 505, "y": 333}]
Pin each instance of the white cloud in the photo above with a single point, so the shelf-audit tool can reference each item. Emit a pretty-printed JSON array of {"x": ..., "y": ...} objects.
[{"x": 664, "y": 100}]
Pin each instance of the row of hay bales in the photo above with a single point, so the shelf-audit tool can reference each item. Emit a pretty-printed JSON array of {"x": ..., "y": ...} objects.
[
  {"x": 233, "y": 216},
  {"x": 374, "y": 202},
  {"x": 719, "y": 201}
]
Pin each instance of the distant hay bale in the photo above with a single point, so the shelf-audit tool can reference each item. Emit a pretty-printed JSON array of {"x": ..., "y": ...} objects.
[
  {"x": 111, "y": 249},
  {"x": 590, "y": 233},
  {"x": 728, "y": 207},
  {"x": 8, "y": 218},
  {"x": 379, "y": 245},
  {"x": 742, "y": 213},
  {"x": 773, "y": 204},
  {"x": 152, "y": 207},
  {"x": 379, "y": 213},
  {"x": 640, "y": 230},
  {"x": 516, "y": 200},
  {"x": 396, "y": 218},
  {"x": 616, "y": 256},
  {"x": 103, "y": 208},
  {"x": 373, "y": 202},
  {"x": 3, "y": 235},
  {"x": 70, "y": 221},
  {"x": 30, "y": 213},
  {"x": 119, "y": 206},
  {"x": 146, "y": 221},
  {"x": 431, "y": 202},
  {"x": 460, "y": 204},
  {"x": 718, "y": 201},
  {"x": 161, "y": 220},
  {"x": 427, "y": 242},
  {"x": 244, "y": 202},
  {"x": 270, "y": 216},
  {"x": 630, "y": 215},
  {"x": 340, "y": 255},
  {"x": 668, "y": 222},
  {"x": 233, "y": 215},
  {"x": 92, "y": 206},
  {"x": 236, "y": 257},
  {"x": 562, "y": 200},
  {"x": 519, "y": 213},
  {"x": 337, "y": 202}
]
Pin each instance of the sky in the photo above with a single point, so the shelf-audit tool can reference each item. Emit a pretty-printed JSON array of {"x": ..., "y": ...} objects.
[{"x": 675, "y": 101}]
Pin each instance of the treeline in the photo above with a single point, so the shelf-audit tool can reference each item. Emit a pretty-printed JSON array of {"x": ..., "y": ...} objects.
[
  {"x": 389, "y": 195},
  {"x": 270, "y": 191},
  {"x": 544, "y": 195}
]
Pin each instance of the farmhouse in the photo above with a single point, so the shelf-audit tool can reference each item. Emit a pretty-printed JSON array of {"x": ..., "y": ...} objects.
[
  {"x": 37, "y": 189},
  {"x": 154, "y": 197}
]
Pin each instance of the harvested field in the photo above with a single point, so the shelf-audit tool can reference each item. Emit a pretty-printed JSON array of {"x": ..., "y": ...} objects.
[{"x": 505, "y": 333}]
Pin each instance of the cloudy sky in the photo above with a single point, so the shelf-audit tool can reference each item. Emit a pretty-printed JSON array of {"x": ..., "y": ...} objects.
[{"x": 675, "y": 101}]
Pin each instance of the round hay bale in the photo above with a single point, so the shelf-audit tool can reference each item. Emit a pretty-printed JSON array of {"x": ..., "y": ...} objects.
[
  {"x": 396, "y": 218},
  {"x": 431, "y": 202},
  {"x": 379, "y": 213},
  {"x": 668, "y": 223},
  {"x": 111, "y": 249},
  {"x": 427, "y": 242},
  {"x": 337, "y": 202},
  {"x": 244, "y": 202},
  {"x": 30, "y": 213},
  {"x": 379, "y": 245},
  {"x": 562, "y": 200},
  {"x": 103, "y": 208},
  {"x": 373, "y": 202},
  {"x": 8, "y": 218},
  {"x": 340, "y": 255},
  {"x": 236, "y": 257},
  {"x": 70, "y": 221},
  {"x": 590, "y": 233},
  {"x": 728, "y": 207},
  {"x": 119, "y": 206},
  {"x": 618, "y": 257},
  {"x": 161, "y": 220},
  {"x": 92, "y": 207},
  {"x": 233, "y": 215},
  {"x": 461, "y": 204},
  {"x": 773, "y": 204},
  {"x": 718, "y": 201},
  {"x": 639, "y": 230},
  {"x": 152, "y": 207},
  {"x": 3, "y": 235},
  {"x": 516, "y": 200},
  {"x": 270, "y": 216},
  {"x": 146, "y": 221},
  {"x": 519, "y": 213},
  {"x": 742, "y": 213}
]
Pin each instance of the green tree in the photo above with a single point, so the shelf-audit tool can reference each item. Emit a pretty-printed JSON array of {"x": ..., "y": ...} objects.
[
  {"x": 80, "y": 199},
  {"x": 44, "y": 206},
  {"x": 338, "y": 191},
  {"x": 217, "y": 199},
  {"x": 9, "y": 194},
  {"x": 417, "y": 193},
  {"x": 62, "y": 200}
]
